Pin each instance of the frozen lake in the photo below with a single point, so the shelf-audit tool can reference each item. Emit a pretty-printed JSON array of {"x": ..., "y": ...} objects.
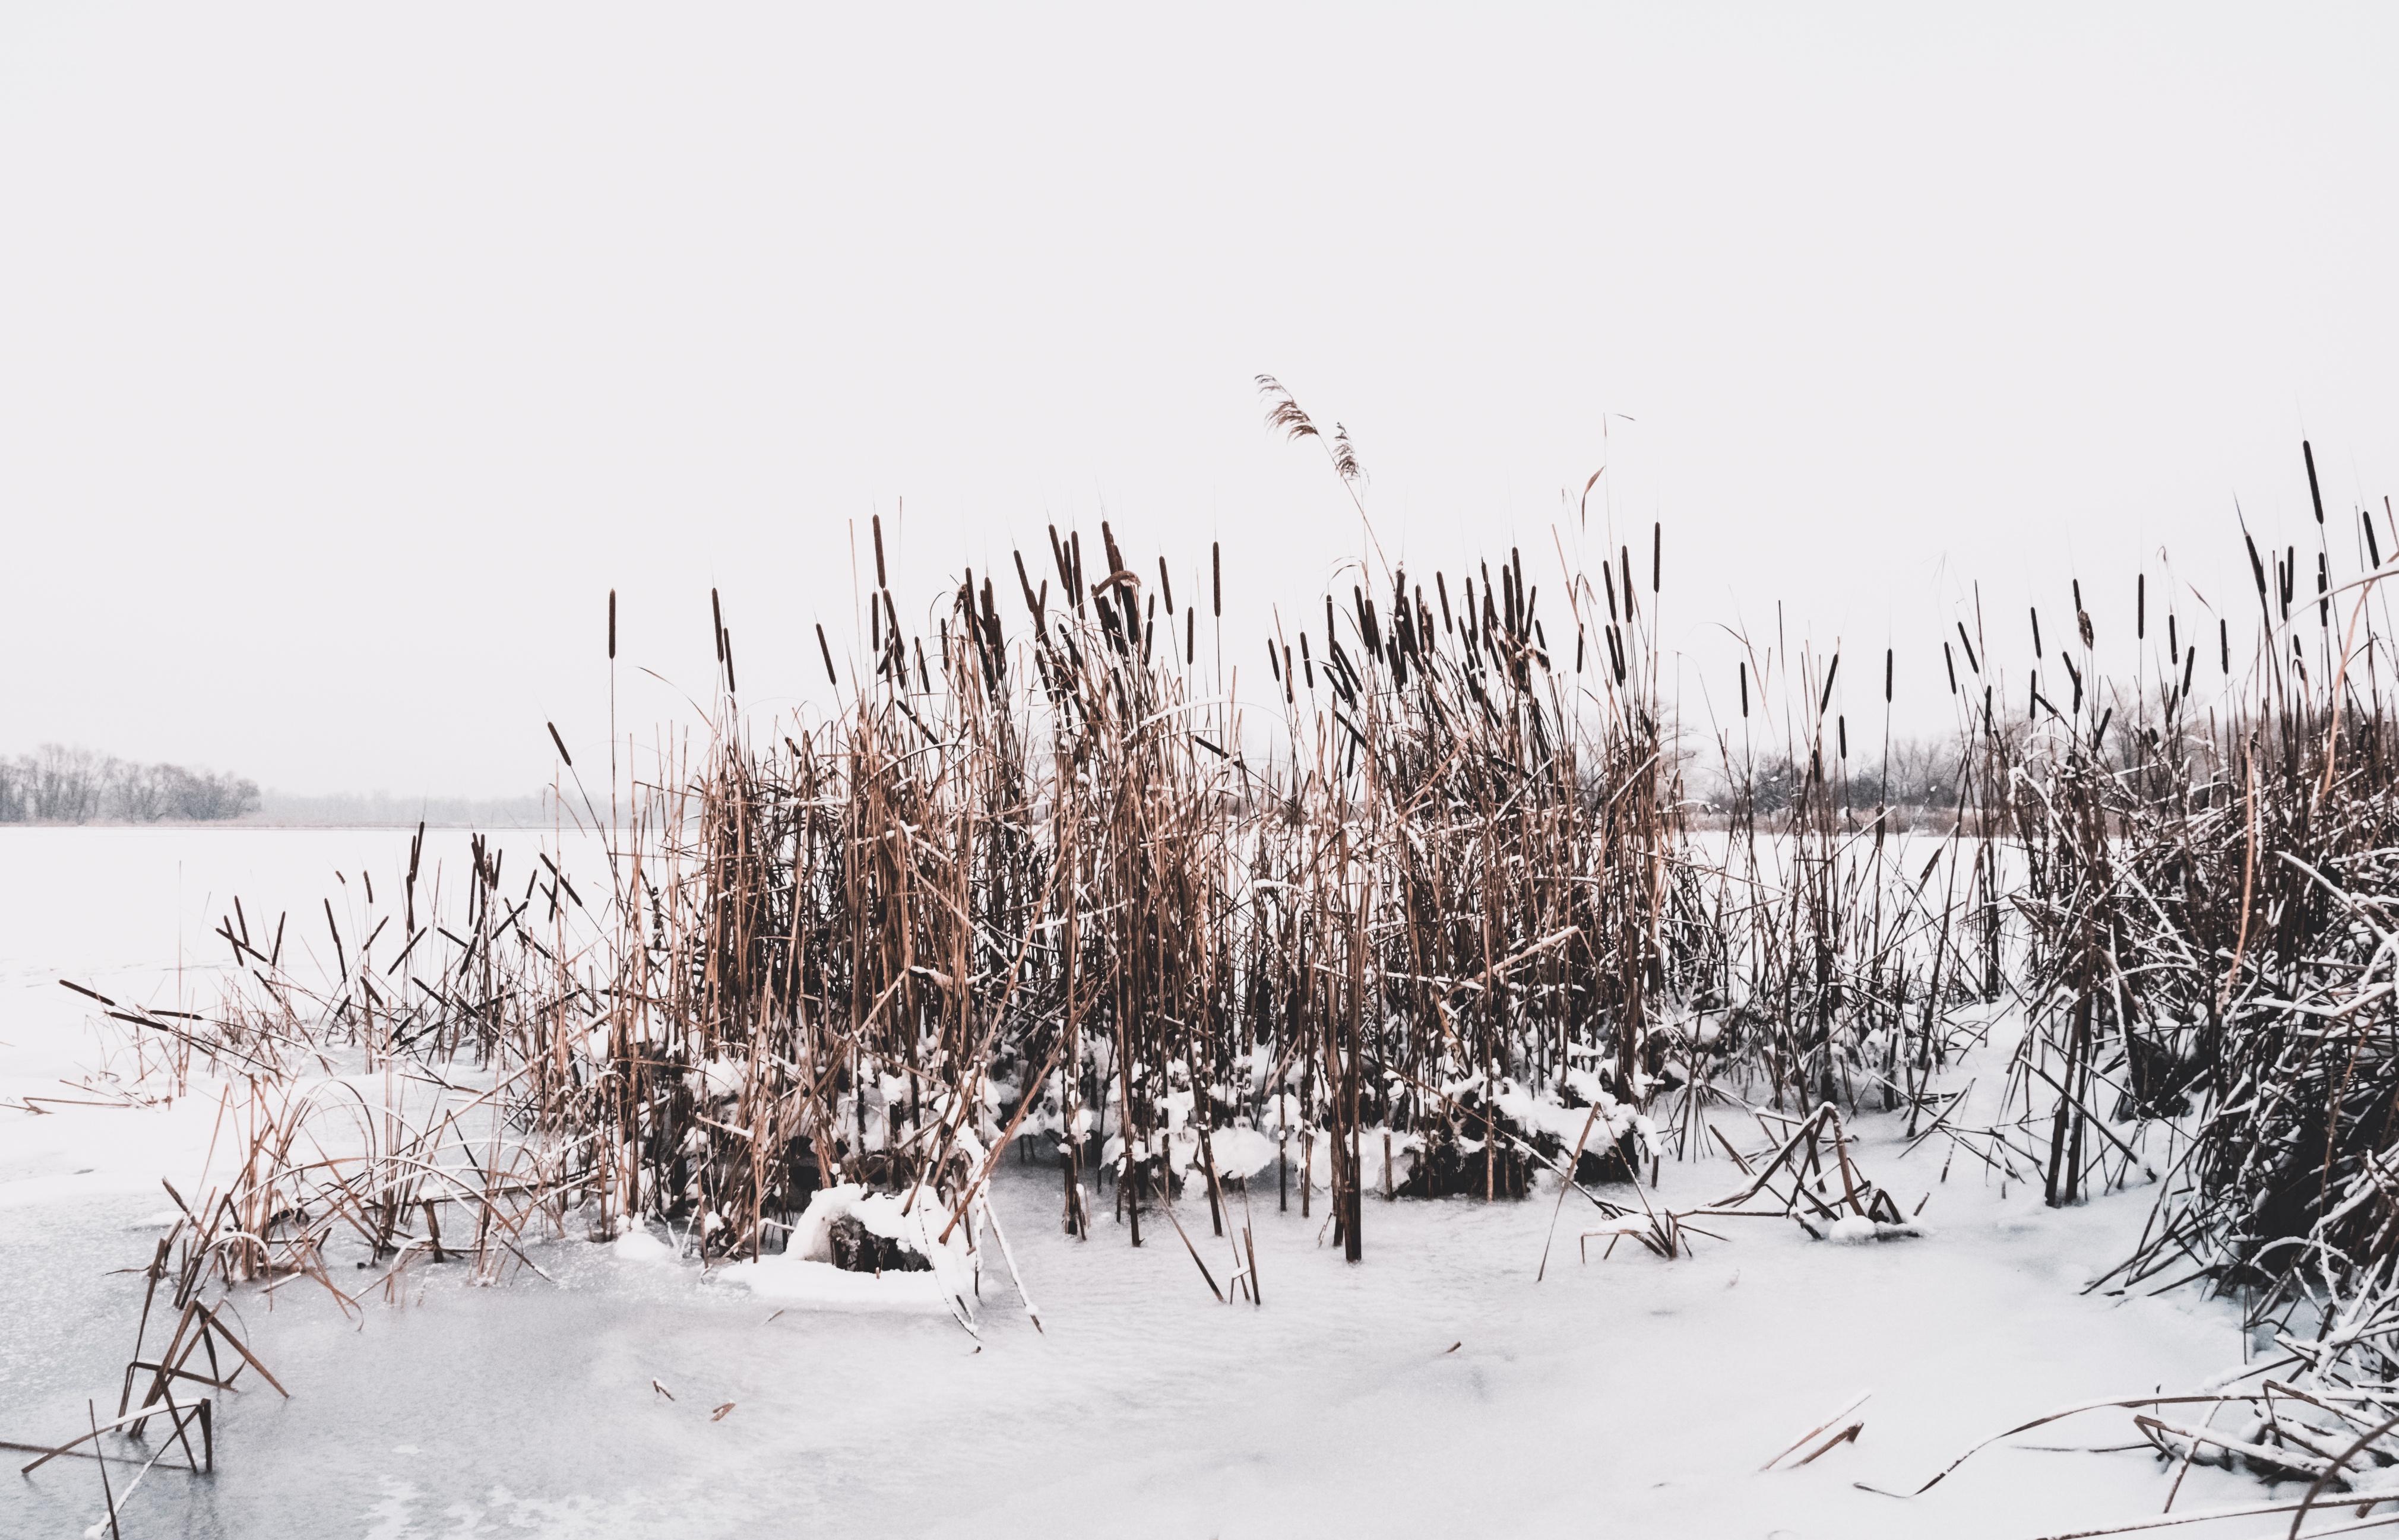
[{"x": 1435, "y": 1389}]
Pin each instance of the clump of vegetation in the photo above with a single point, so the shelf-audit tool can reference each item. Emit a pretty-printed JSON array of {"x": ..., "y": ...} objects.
[
  {"x": 2202, "y": 955},
  {"x": 1439, "y": 918}
]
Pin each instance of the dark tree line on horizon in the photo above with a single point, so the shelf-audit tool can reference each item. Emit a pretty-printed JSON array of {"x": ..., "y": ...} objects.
[{"x": 55, "y": 784}]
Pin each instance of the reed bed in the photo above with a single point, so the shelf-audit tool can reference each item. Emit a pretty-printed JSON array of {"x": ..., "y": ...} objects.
[
  {"x": 1045, "y": 884},
  {"x": 1420, "y": 914},
  {"x": 1435, "y": 909},
  {"x": 2199, "y": 887}
]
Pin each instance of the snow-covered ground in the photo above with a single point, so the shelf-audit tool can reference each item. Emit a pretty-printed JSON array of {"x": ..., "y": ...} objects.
[{"x": 1436, "y": 1389}]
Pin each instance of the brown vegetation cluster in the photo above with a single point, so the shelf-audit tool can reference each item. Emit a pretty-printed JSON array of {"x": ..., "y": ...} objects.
[{"x": 1436, "y": 919}]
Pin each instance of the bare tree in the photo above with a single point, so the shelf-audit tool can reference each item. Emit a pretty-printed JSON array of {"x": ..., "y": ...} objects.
[{"x": 56, "y": 784}]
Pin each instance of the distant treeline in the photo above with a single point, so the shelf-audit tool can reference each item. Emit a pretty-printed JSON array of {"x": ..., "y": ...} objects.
[
  {"x": 1907, "y": 772},
  {"x": 60, "y": 785}
]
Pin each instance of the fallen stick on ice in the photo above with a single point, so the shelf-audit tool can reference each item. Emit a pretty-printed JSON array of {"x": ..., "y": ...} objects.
[
  {"x": 2131, "y": 1403},
  {"x": 1840, "y": 1425}
]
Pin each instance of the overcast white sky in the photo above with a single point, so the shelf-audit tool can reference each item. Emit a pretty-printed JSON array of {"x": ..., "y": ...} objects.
[{"x": 349, "y": 358}]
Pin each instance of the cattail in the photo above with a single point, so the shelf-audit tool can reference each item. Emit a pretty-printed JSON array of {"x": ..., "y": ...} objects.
[
  {"x": 2224, "y": 642},
  {"x": 2173, "y": 644},
  {"x": 1607, "y": 576},
  {"x": 2257, "y": 566},
  {"x": 1165, "y": 586},
  {"x": 1841, "y": 731},
  {"x": 1887, "y": 661},
  {"x": 1830, "y": 674},
  {"x": 2189, "y": 662},
  {"x": 1217, "y": 579},
  {"x": 1190, "y": 638},
  {"x": 1307, "y": 662},
  {"x": 1624, "y": 555},
  {"x": 1949, "y": 660},
  {"x": 1441, "y": 587},
  {"x": 2140, "y": 606},
  {"x": 2373, "y": 546},
  {"x": 2036, "y": 630},
  {"x": 826, "y": 648},
  {"x": 1744, "y": 691},
  {"x": 2323, "y": 589},
  {"x": 716, "y": 620},
  {"x": 1967, "y": 642},
  {"x": 612, "y": 619},
  {"x": 1368, "y": 627},
  {"x": 1024, "y": 581},
  {"x": 1274, "y": 660},
  {"x": 2315, "y": 496},
  {"x": 561, "y": 744},
  {"x": 882, "y": 579},
  {"x": 1656, "y": 554}
]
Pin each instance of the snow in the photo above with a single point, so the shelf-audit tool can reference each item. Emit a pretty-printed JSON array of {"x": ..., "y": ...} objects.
[
  {"x": 641, "y": 1249},
  {"x": 804, "y": 1272},
  {"x": 1241, "y": 1153},
  {"x": 1858, "y": 1229},
  {"x": 802, "y": 1280},
  {"x": 1436, "y": 1389}
]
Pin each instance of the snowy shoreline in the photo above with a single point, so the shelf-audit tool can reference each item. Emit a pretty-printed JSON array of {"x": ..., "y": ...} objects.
[{"x": 1634, "y": 1392}]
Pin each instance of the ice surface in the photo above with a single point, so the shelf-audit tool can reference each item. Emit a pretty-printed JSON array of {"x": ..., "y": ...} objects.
[{"x": 1437, "y": 1389}]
